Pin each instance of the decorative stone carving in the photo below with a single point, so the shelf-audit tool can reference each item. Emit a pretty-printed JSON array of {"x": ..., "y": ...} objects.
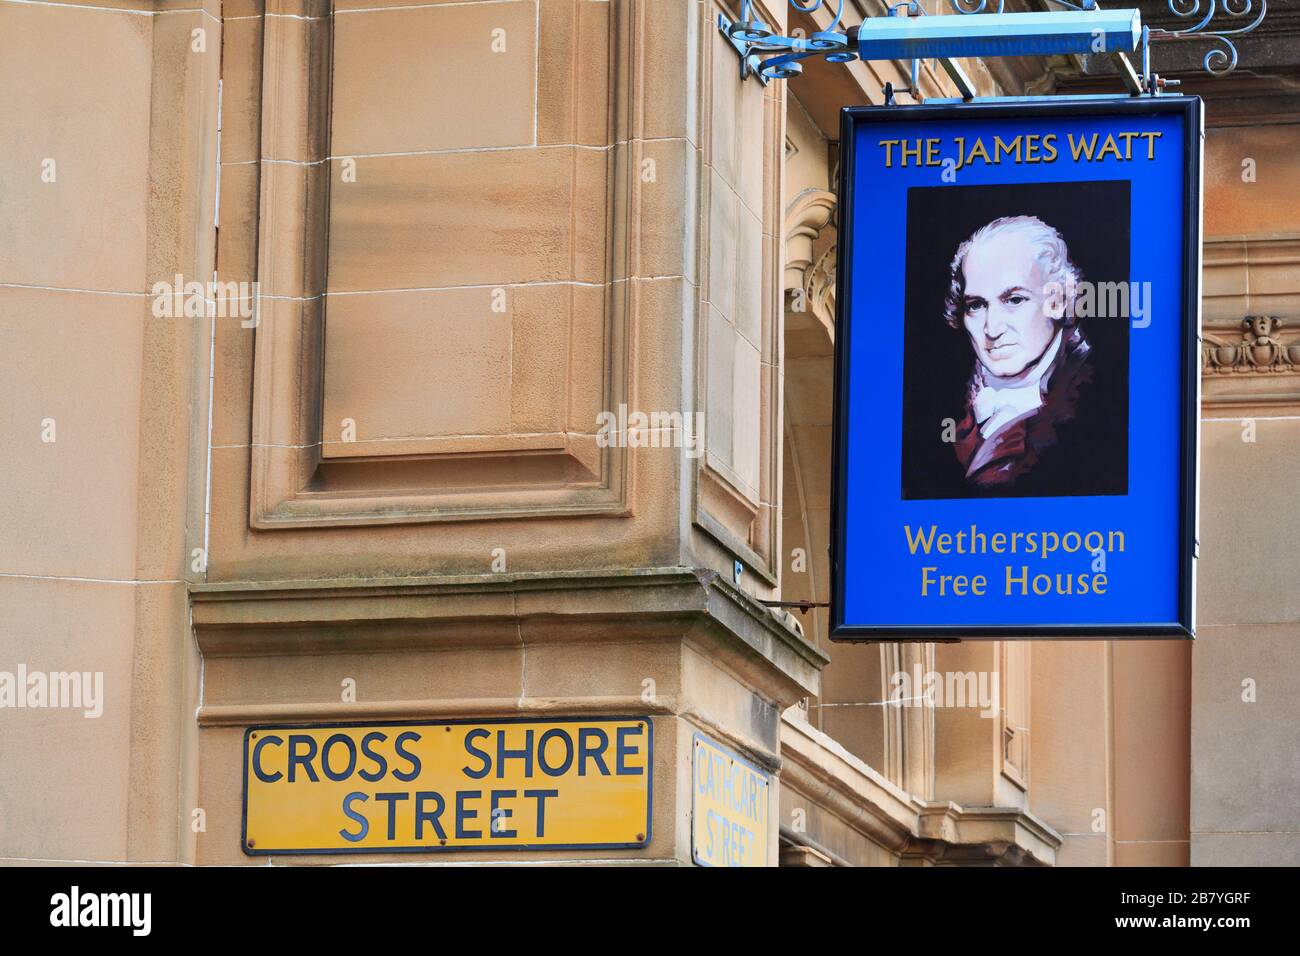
[
  {"x": 808, "y": 214},
  {"x": 1260, "y": 349},
  {"x": 819, "y": 285},
  {"x": 810, "y": 254}
]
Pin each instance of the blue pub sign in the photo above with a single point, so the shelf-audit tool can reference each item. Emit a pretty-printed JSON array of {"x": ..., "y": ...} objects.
[{"x": 1017, "y": 369}]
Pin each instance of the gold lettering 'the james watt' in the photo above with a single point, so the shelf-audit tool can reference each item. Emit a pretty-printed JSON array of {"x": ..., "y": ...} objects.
[{"x": 1026, "y": 148}]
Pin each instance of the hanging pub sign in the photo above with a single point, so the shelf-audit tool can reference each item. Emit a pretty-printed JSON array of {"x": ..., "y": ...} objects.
[{"x": 1017, "y": 369}]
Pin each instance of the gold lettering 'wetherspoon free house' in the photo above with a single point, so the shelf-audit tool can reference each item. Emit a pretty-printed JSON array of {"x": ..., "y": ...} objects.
[{"x": 1037, "y": 543}]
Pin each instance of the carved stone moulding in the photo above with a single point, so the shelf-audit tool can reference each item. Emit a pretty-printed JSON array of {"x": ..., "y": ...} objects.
[
  {"x": 810, "y": 266},
  {"x": 1261, "y": 348},
  {"x": 1250, "y": 345},
  {"x": 1257, "y": 367}
]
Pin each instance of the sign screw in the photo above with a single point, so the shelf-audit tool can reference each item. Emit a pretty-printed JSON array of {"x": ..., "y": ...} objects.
[
  {"x": 251, "y": 844},
  {"x": 640, "y": 837}
]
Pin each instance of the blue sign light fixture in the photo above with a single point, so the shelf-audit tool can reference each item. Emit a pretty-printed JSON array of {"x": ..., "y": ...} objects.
[
  {"x": 978, "y": 31},
  {"x": 999, "y": 34}
]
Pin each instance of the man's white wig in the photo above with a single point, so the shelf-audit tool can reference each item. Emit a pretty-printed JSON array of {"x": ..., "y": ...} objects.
[{"x": 1062, "y": 277}]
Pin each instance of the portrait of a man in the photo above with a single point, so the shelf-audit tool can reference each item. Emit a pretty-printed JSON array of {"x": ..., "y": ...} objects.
[{"x": 1022, "y": 402}]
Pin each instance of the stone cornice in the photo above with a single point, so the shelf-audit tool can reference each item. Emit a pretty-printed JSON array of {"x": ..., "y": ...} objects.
[
  {"x": 999, "y": 836},
  {"x": 822, "y": 771},
  {"x": 309, "y": 617},
  {"x": 1249, "y": 276}
]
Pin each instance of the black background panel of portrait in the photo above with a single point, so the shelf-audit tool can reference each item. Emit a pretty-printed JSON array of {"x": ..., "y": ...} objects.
[{"x": 1092, "y": 453}]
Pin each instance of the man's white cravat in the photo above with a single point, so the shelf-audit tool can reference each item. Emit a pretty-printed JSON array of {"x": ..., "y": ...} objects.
[{"x": 1000, "y": 401}]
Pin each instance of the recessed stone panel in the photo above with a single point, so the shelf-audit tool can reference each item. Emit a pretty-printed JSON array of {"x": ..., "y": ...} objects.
[{"x": 461, "y": 76}]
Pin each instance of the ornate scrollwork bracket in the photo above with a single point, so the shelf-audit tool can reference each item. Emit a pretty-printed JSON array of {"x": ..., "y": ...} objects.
[
  {"x": 1077, "y": 27},
  {"x": 1216, "y": 22}
]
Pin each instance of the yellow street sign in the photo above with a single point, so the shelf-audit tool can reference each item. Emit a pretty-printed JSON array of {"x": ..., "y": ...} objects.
[
  {"x": 448, "y": 785},
  {"x": 729, "y": 807}
]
